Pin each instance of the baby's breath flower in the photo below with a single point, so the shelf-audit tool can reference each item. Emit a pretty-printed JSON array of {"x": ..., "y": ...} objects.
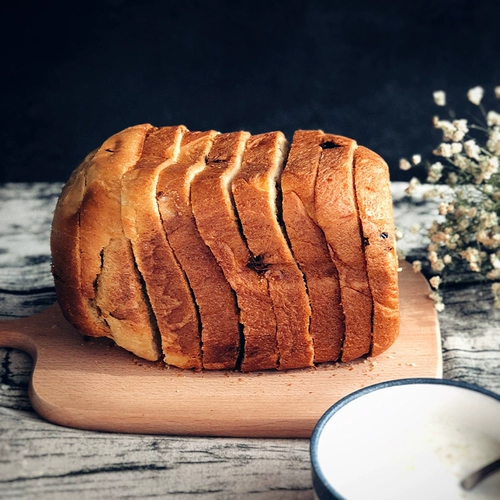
[
  {"x": 493, "y": 118},
  {"x": 475, "y": 95},
  {"x": 495, "y": 260},
  {"x": 435, "y": 172},
  {"x": 438, "y": 301},
  {"x": 435, "y": 281},
  {"x": 417, "y": 266},
  {"x": 493, "y": 142},
  {"x": 446, "y": 127},
  {"x": 439, "y": 306},
  {"x": 461, "y": 126},
  {"x": 439, "y": 97},
  {"x": 404, "y": 164},
  {"x": 444, "y": 149},
  {"x": 493, "y": 275},
  {"x": 456, "y": 148},
  {"x": 488, "y": 166},
  {"x": 413, "y": 184},
  {"x": 416, "y": 159},
  {"x": 472, "y": 150},
  {"x": 468, "y": 228}
]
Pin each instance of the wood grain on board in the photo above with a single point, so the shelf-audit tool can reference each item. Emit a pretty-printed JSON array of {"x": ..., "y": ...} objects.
[{"x": 93, "y": 384}]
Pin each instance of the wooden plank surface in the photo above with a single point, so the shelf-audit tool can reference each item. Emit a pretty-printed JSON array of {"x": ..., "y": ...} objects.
[{"x": 92, "y": 384}]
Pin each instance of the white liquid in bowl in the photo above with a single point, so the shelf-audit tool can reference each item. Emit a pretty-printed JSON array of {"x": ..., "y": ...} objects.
[{"x": 411, "y": 441}]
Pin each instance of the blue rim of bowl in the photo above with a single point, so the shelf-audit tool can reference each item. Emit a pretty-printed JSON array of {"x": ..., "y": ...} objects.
[{"x": 323, "y": 490}]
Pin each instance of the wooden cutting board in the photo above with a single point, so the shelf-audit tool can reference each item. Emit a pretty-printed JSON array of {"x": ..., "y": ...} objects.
[{"x": 93, "y": 384}]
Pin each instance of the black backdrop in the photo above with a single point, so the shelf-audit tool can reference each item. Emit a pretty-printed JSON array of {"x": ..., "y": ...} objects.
[{"x": 75, "y": 73}]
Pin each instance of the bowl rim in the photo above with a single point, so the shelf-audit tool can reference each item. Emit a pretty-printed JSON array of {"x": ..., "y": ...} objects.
[{"x": 321, "y": 486}]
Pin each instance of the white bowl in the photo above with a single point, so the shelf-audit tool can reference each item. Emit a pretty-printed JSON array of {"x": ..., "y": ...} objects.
[{"x": 407, "y": 439}]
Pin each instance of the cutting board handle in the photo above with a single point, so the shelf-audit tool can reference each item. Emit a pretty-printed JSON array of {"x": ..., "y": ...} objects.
[{"x": 24, "y": 333}]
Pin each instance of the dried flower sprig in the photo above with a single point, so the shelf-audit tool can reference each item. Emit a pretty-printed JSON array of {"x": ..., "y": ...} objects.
[{"x": 468, "y": 226}]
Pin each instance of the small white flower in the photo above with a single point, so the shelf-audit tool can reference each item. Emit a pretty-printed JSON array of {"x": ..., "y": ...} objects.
[
  {"x": 472, "y": 150},
  {"x": 417, "y": 266},
  {"x": 439, "y": 306},
  {"x": 444, "y": 149},
  {"x": 488, "y": 166},
  {"x": 416, "y": 159},
  {"x": 452, "y": 179},
  {"x": 445, "y": 208},
  {"x": 495, "y": 261},
  {"x": 446, "y": 127},
  {"x": 435, "y": 171},
  {"x": 435, "y": 281},
  {"x": 404, "y": 164},
  {"x": 461, "y": 125},
  {"x": 412, "y": 185},
  {"x": 493, "y": 118},
  {"x": 447, "y": 259},
  {"x": 493, "y": 143},
  {"x": 456, "y": 148},
  {"x": 494, "y": 274},
  {"x": 461, "y": 129},
  {"x": 497, "y": 92},
  {"x": 475, "y": 95},
  {"x": 439, "y": 97}
]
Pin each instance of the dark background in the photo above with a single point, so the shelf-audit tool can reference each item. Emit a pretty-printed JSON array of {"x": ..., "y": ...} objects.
[{"x": 76, "y": 73}]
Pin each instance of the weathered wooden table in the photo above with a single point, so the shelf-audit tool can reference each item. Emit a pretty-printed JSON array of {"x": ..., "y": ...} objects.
[{"x": 41, "y": 460}]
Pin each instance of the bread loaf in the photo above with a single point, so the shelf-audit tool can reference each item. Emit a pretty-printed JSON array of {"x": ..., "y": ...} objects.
[{"x": 229, "y": 251}]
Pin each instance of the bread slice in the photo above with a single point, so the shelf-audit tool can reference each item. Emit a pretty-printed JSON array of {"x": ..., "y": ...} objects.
[
  {"x": 374, "y": 199},
  {"x": 309, "y": 244},
  {"x": 166, "y": 284},
  {"x": 220, "y": 332},
  {"x": 65, "y": 250},
  {"x": 86, "y": 221},
  {"x": 337, "y": 215},
  {"x": 255, "y": 193},
  {"x": 122, "y": 302},
  {"x": 217, "y": 222},
  {"x": 103, "y": 243}
]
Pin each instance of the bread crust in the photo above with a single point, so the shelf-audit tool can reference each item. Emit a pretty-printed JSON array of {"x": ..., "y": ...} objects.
[
  {"x": 65, "y": 250},
  {"x": 218, "y": 225},
  {"x": 309, "y": 245},
  {"x": 166, "y": 284},
  {"x": 337, "y": 215},
  {"x": 374, "y": 199},
  {"x": 255, "y": 195},
  {"x": 89, "y": 219},
  {"x": 101, "y": 231},
  {"x": 220, "y": 332}
]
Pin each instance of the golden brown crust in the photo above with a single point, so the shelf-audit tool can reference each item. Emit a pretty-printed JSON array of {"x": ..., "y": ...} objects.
[
  {"x": 100, "y": 223},
  {"x": 309, "y": 245},
  {"x": 65, "y": 248},
  {"x": 373, "y": 194},
  {"x": 166, "y": 284},
  {"x": 337, "y": 215},
  {"x": 219, "y": 227},
  {"x": 254, "y": 190},
  {"x": 220, "y": 335}
]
